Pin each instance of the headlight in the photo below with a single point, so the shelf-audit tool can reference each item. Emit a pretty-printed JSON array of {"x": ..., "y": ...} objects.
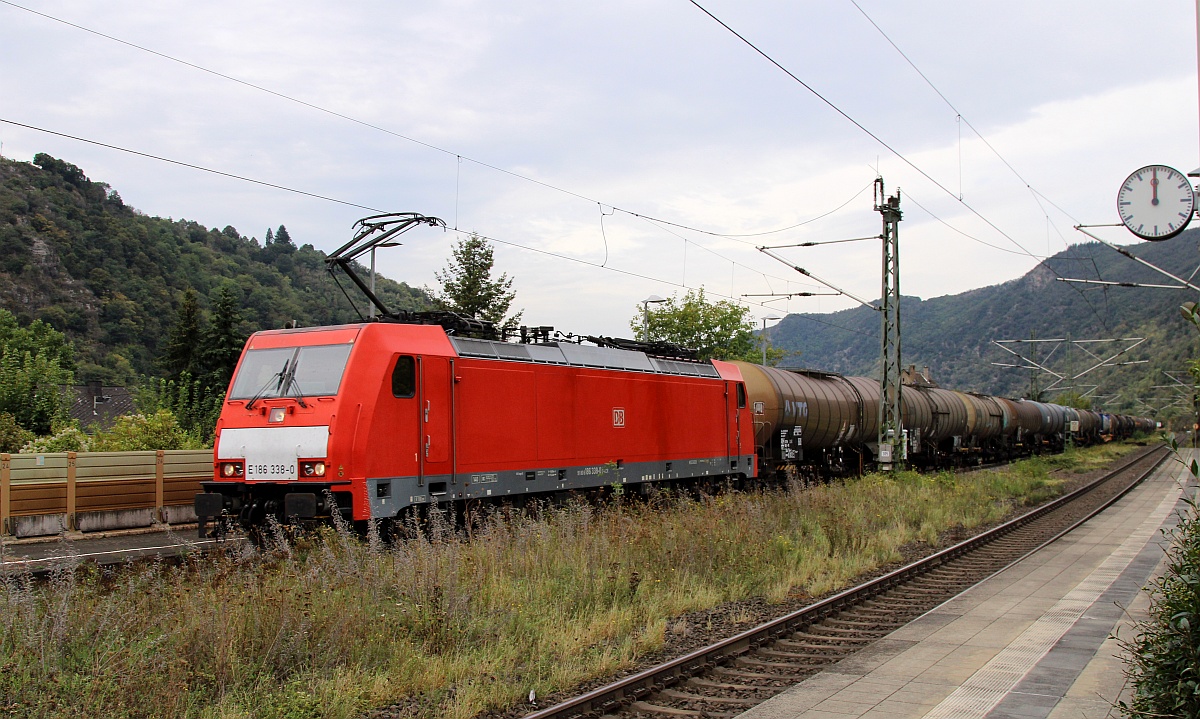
[
  {"x": 231, "y": 469},
  {"x": 312, "y": 469}
]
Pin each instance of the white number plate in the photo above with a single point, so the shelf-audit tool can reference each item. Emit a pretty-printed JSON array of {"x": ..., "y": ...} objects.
[{"x": 271, "y": 471}]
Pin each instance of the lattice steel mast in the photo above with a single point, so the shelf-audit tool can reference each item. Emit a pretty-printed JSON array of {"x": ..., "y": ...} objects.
[{"x": 891, "y": 429}]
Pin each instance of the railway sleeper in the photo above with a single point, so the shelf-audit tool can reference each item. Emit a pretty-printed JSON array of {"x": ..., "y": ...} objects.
[
  {"x": 793, "y": 644},
  {"x": 907, "y": 596},
  {"x": 874, "y": 617},
  {"x": 949, "y": 584},
  {"x": 870, "y": 616},
  {"x": 826, "y": 629},
  {"x": 788, "y": 666},
  {"x": 688, "y": 696},
  {"x": 800, "y": 657},
  {"x": 820, "y": 640},
  {"x": 916, "y": 588},
  {"x": 863, "y": 624},
  {"x": 724, "y": 686},
  {"x": 648, "y": 708},
  {"x": 785, "y": 679}
]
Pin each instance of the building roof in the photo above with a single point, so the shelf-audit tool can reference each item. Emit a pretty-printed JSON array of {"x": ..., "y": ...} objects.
[{"x": 98, "y": 406}]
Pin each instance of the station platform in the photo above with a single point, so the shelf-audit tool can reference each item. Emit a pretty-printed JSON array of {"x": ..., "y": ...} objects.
[{"x": 1031, "y": 642}]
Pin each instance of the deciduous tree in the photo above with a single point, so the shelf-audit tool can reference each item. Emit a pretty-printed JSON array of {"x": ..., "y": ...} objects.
[
  {"x": 716, "y": 330},
  {"x": 35, "y": 362}
]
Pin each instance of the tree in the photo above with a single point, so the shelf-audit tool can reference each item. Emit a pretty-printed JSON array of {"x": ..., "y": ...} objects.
[
  {"x": 223, "y": 339},
  {"x": 195, "y": 406},
  {"x": 468, "y": 287},
  {"x": 1073, "y": 399},
  {"x": 183, "y": 343},
  {"x": 38, "y": 338},
  {"x": 141, "y": 432},
  {"x": 35, "y": 362},
  {"x": 283, "y": 239},
  {"x": 12, "y": 435},
  {"x": 716, "y": 330}
]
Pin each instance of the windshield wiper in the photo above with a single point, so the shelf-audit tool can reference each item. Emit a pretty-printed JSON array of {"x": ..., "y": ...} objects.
[
  {"x": 288, "y": 381},
  {"x": 277, "y": 378}
]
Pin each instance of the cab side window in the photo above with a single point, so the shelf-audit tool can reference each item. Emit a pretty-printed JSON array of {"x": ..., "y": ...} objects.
[
  {"x": 404, "y": 377},
  {"x": 741, "y": 395}
]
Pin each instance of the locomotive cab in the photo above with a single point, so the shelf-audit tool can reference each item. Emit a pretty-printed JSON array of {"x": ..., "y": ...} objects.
[{"x": 302, "y": 426}]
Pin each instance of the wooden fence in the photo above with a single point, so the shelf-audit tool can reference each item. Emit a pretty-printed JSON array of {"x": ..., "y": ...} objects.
[{"x": 71, "y": 485}]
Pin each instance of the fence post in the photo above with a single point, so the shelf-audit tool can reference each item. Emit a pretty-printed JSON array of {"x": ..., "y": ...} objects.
[
  {"x": 5, "y": 489},
  {"x": 70, "y": 491},
  {"x": 159, "y": 512}
]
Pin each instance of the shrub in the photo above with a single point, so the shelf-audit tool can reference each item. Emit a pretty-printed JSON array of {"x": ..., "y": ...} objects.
[
  {"x": 12, "y": 435},
  {"x": 1164, "y": 656},
  {"x": 194, "y": 405},
  {"x": 65, "y": 438},
  {"x": 140, "y": 432}
]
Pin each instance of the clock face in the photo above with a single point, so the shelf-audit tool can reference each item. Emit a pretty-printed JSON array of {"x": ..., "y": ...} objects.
[{"x": 1156, "y": 202}]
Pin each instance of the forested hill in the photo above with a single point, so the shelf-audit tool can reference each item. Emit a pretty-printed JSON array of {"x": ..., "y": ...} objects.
[
  {"x": 73, "y": 254},
  {"x": 953, "y": 335}
]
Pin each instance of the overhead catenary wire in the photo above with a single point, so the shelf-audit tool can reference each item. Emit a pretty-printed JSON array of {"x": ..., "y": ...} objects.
[
  {"x": 327, "y": 198},
  {"x": 294, "y": 190},
  {"x": 189, "y": 165},
  {"x": 900, "y": 156},
  {"x": 1034, "y": 192},
  {"x": 459, "y": 158},
  {"x": 959, "y": 118}
]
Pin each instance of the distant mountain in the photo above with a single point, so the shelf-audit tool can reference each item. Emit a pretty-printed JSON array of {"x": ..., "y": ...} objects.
[
  {"x": 954, "y": 335},
  {"x": 73, "y": 254}
]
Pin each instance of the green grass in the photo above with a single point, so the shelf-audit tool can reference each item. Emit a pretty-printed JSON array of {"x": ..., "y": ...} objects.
[{"x": 452, "y": 625}]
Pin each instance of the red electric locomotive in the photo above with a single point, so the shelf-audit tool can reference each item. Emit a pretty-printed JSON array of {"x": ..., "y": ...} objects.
[{"x": 373, "y": 419}]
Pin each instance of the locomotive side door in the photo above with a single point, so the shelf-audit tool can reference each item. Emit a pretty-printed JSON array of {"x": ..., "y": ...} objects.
[
  {"x": 735, "y": 402},
  {"x": 395, "y": 428},
  {"x": 436, "y": 417}
]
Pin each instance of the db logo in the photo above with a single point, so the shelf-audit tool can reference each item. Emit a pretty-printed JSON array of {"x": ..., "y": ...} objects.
[{"x": 618, "y": 416}]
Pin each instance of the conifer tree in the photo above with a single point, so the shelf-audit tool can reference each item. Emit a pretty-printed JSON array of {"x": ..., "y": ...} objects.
[
  {"x": 222, "y": 339},
  {"x": 468, "y": 287},
  {"x": 183, "y": 343}
]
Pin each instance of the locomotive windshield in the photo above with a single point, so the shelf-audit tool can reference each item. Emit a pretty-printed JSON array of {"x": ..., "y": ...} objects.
[{"x": 309, "y": 371}]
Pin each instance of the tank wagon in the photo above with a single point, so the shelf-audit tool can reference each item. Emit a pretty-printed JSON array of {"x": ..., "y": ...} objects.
[
  {"x": 375, "y": 420},
  {"x": 810, "y": 424}
]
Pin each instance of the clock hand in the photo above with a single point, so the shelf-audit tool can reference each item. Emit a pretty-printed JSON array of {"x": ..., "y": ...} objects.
[{"x": 1154, "y": 186}]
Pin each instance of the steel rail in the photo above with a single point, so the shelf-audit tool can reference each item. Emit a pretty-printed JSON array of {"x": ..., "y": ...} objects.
[
  {"x": 43, "y": 567},
  {"x": 624, "y": 691}
]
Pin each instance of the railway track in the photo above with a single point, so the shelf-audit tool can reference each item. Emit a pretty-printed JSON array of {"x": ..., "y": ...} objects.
[{"x": 726, "y": 678}]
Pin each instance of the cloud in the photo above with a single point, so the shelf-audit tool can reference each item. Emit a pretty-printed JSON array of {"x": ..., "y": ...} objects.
[{"x": 649, "y": 107}]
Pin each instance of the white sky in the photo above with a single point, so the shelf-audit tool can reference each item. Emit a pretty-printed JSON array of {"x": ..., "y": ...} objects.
[{"x": 648, "y": 106}]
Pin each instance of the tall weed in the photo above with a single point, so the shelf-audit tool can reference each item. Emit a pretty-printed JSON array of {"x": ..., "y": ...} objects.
[{"x": 452, "y": 621}]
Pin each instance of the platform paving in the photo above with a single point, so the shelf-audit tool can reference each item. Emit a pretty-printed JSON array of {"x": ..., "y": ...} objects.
[{"x": 1032, "y": 642}]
